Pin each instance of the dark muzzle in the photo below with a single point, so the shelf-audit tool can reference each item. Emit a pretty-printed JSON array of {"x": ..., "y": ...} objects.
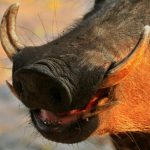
[{"x": 38, "y": 87}]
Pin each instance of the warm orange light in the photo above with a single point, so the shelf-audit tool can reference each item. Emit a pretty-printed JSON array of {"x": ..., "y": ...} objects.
[{"x": 54, "y": 4}]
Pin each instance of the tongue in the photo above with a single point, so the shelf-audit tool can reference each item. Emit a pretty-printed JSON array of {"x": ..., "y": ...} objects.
[{"x": 64, "y": 120}]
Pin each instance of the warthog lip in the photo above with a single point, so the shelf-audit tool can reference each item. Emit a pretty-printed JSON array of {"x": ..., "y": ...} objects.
[{"x": 52, "y": 125}]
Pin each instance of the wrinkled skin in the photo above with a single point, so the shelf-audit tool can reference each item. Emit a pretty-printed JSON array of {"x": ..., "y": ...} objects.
[{"x": 65, "y": 74}]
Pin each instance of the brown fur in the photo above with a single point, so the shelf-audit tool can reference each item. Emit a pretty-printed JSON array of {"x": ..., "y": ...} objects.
[{"x": 133, "y": 111}]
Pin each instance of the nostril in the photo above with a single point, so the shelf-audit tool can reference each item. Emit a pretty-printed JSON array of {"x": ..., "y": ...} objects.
[
  {"x": 43, "y": 89},
  {"x": 55, "y": 96},
  {"x": 60, "y": 97}
]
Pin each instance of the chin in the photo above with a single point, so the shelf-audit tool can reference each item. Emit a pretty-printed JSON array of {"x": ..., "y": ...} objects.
[{"x": 62, "y": 128}]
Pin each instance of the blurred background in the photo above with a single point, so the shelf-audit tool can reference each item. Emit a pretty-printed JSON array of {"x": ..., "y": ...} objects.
[{"x": 38, "y": 22}]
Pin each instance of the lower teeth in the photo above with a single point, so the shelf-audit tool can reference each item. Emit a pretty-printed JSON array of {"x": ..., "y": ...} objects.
[
  {"x": 52, "y": 122},
  {"x": 46, "y": 122}
]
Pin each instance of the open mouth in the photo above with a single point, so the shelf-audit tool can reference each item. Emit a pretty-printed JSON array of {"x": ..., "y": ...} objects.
[
  {"x": 68, "y": 127},
  {"x": 47, "y": 120}
]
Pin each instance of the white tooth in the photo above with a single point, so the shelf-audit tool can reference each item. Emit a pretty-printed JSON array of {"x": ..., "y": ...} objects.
[
  {"x": 87, "y": 119},
  {"x": 45, "y": 122}
]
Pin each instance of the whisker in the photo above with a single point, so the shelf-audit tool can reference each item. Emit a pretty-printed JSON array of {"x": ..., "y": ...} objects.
[
  {"x": 22, "y": 27},
  {"x": 117, "y": 135},
  {"x": 135, "y": 141},
  {"x": 129, "y": 136},
  {"x": 55, "y": 17},
  {"x": 47, "y": 39},
  {"x": 115, "y": 143},
  {"x": 53, "y": 27},
  {"x": 32, "y": 42},
  {"x": 30, "y": 39}
]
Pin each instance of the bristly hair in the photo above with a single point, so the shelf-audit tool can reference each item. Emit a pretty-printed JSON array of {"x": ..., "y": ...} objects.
[
  {"x": 97, "y": 6},
  {"x": 97, "y": 1}
]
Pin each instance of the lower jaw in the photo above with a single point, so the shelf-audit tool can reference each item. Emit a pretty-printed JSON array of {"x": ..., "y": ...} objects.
[{"x": 69, "y": 134}]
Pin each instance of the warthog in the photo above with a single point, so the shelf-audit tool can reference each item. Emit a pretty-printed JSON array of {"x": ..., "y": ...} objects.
[{"x": 93, "y": 79}]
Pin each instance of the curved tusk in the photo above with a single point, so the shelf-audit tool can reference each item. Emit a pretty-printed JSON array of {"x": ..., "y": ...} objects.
[
  {"x": 11, "y": 88},
  {"x": 9, "y": 38},
  {"x": 124, "y": 67}
]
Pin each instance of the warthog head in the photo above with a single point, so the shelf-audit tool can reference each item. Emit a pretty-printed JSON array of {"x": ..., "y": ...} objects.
[{"x": 79, "y": 82}]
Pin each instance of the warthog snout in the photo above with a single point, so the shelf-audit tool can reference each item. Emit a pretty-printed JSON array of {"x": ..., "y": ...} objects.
[
  {"x": 71, "y": 85},
  {"x": 40, "y": 87}
]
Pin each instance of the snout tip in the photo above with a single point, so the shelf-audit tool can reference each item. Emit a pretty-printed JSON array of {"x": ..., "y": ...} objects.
[{"x": 49, "y": 88}]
